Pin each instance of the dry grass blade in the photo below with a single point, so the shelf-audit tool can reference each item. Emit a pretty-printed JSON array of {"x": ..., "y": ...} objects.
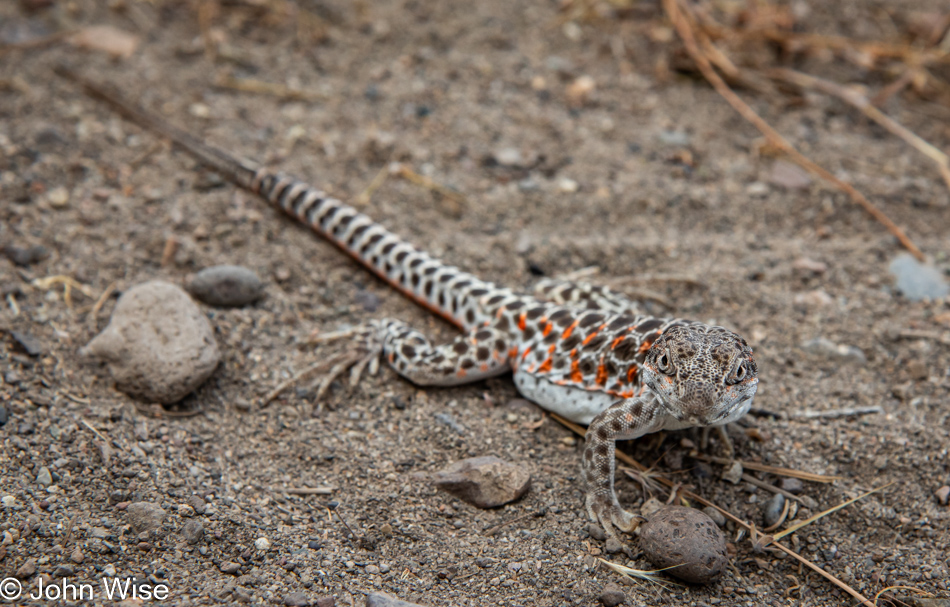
[
  {"x": 859, "y": 101},
  {"x": 805, "y": 476},
  {"x": 641, "y": 574},
  {"x": 678, "y": 16},
  {"x": 738, "y": 521},
  {"x": 249, "y": 85},
  {"x": 812, "y": 519}
]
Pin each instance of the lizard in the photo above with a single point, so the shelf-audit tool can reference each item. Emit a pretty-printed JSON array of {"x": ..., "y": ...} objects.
[{"x": 582, "y": 351}]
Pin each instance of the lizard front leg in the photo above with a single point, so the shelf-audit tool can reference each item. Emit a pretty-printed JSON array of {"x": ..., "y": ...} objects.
[{"x": 627, "y": 419}]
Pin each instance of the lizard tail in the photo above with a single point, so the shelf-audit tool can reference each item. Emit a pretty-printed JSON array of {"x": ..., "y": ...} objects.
[{"x": 459, "y": 297}]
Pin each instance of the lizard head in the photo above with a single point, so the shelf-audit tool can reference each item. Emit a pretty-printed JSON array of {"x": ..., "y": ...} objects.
[{"x": 702, "y": 375}]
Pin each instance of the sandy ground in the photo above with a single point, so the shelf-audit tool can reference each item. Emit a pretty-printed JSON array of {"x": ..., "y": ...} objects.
[{"x": 648, "y": 176}]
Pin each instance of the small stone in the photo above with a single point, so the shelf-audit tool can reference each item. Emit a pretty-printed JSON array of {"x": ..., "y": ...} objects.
[
  {"x": 145, "y": 516},
  {"x": 917, "y": 369},
  {"x": 678, "y": 138},
  {"x": 198, "y": 504},
  {"x": 8, "y": 501},
  {"x": 63, "y": 571},
  {"x": 185, "y": 510},
  {"x": 579, "y": 91},
  {"x": 613, "y": 546},
  {"x": 4, "y": 416},
  {"x": 917, "y": 281},
  {"x": 109, "y": 570},
  {"x": 325, "y": 601},
  {"x": 757, "y": 189},
  {"x": 371, "y": 569},
  {"x": 773, "y": 510},
  {"x": 650, "y": 507},
  {"x": 229, "y": 567},
  {"x": 813, "y": 299},
  {"x": 943, "y": 495},
  {"x": 159, "y": 345},
  {"x": 296, "y": 599},
  {"x": 25, "y": 257},
  {"x": 715, "y": 515},
  {"x": 43, "y": 477},
  {"x": 733, "y": 473},
  {"x": 596, "y": 531},
  {"x": 58, "y": 197},
  {"x": 567, "y": 185},
  {"x": 77, "y": 556},
  {"x": 262, "y": 544},
  {"x": 789, "y": 176},
  {"x": 26, "y": 569},
  {"x": 27, "y": 342},
  {"x": 687, "y": 542},
  {"x": 509, "y": 157},
  {"x": 486, "y": 482},
  {"x": 829, "y": 349},
  {"x": 612, "y": 595},
  {"x": 792, "y": 485},
  {"x": 193, "y": 531},
  {"x": 379, "y": 599},
  {"x": 226, "y": 286},
  {"x": 805, "y": 265}
]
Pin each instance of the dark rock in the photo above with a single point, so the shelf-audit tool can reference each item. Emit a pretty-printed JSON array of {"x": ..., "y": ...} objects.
[
  {"x": 486, "y": 482},
  {"x": 4, "y": 416},
  {"x": 226, "y": 286},
  {"x": 792, "y": 485},
  {"x": 25, "y": 257},
  {"x": 687, "y": 542},
  {"x": 63, "y": 571},
  {"x": 28, "y": 343},
  {"x": 26, "y": 569},
  {"x": 145, "y": 516},
  {"x": 192, "y": 531},
  {"x": 612, "y": 595},
  {"x": 198, "y": 504},
  {"x": 229, "y": 567}
]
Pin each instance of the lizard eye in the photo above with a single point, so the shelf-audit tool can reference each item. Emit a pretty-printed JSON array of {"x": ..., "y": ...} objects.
[
  {"x": 664, "y": 364},
  {"x": 738, "y": 375}
]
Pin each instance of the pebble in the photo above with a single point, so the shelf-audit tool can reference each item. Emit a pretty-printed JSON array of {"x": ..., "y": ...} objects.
[
  {"x": 27, "y": 342},
  {"x": 109, "y": 570},
  {"x": 371, "y": 569},
  {"x": 773, "y": 510},
  {"x": 789, "y": 176},
  {"x": 686, "y": 537},
  {"x": 262, "y": 544},
  {"x": 63, "y": 570},
  {"x": 193, "y": 531},
  {"x": 380, "y": 599},
  {"x": 226, "y": 286},
  {"x": 26, "y": 569},
  {"x": 185, "y": 510},
  {"x": 25, "y": 257},
  {"x": 917, "y": 281},
  {"x": 807, "y": 265},
  {"x": 144, "y": 516},
  {"x": 229, "y": 567},
  {"x": 757, "y": 189},
  {"x": 816, "y": 298},
  {"x": 677, "y": 138},
  {"x": 826, "y": 347},
  {"x": 325, "y": 601},
  {"x": 792, "y": 485},
  {"x": 612, "y": 595},
  {"x": 733, "y": 473},
  {"x": 567, "y": 185},
  {"x": 715, "y": 515},
  {"x": 613, "y": 546},
  {"x": 58, "y": 197},
  {"x": 296, "y": 599},
  {"x": 198, "y": 504},
  {"x": 77, "y": 556},
  {"x": 943, "y": 495},
  {"x": 43, "y": 477},
  {"x": 596, "y": 532},
  {"x": 485, "y": 482},
  {"x": 8, "y": 501},
  {"x": 579, "y": 91},
  {"x": 509, "y": 157},
  {"x": 159, "y": 345},
  {"x": 4, "y": 416}
]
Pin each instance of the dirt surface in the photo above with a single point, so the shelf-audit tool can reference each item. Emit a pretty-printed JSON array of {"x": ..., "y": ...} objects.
[{"x": 651, "y": 174}]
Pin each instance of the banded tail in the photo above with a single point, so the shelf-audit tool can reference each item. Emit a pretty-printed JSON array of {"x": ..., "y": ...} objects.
[{"x": 457, "y": 296}]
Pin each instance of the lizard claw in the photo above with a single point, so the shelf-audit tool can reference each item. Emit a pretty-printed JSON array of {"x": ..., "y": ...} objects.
[{"x": 610, "y": 516}]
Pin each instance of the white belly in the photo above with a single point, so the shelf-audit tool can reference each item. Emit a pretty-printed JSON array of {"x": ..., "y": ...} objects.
[{"x": 579, "y": 406}]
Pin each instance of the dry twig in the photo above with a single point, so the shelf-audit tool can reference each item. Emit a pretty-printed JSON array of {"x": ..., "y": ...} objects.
[{"x": 679, "y": 16}]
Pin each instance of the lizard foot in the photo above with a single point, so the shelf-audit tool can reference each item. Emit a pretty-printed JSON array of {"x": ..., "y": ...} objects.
[{"x": 610, "y": 516}]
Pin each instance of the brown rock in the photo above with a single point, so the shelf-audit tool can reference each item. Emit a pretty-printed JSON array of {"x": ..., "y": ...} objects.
[
  {"x": 486, "y": 482},
  {"x": 687, "y": 541},
  {"x": 159, "y": 346},
  {"x": 145, "y": 516},
  {"x": 943, "y": 495},
  {"x": 26, "y": 569},
  {"x": 612, "y": 595}
]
